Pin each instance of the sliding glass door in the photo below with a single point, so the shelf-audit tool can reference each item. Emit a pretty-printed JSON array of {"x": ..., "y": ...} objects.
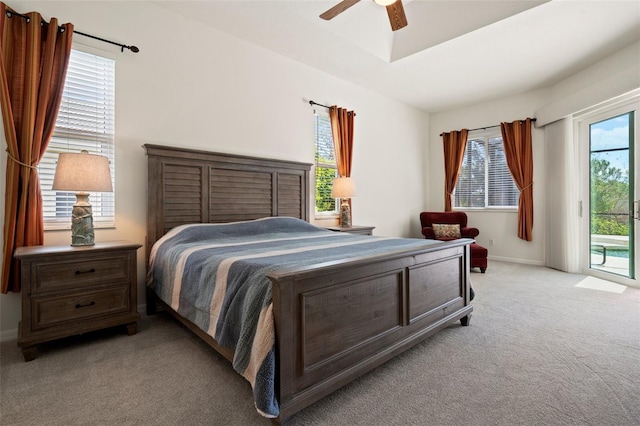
[{"x": 613, "y": 217}]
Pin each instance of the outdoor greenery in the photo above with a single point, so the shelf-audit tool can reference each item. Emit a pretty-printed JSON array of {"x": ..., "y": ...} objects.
[
  {"x": 324, "y": 184},
  {"x": 326, "y": 167},
  {"x": 609, "y": 198}
]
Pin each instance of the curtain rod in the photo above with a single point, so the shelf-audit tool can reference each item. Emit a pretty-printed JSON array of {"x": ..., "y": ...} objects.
[
  {"x": 490, "y": 127},
  {"x": 327, "y": 107},
  {"x": 134, "y": 49},
  {"x": 315, "y": 103}
]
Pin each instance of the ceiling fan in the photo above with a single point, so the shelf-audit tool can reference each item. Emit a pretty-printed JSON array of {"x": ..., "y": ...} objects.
[{"x": 395, "y": 10}]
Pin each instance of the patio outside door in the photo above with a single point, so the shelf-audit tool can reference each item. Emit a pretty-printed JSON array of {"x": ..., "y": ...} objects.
[{"x": 613, "y": 201}]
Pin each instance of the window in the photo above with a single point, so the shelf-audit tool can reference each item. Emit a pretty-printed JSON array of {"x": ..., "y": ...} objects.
[
  {"x": 485, "y": 180},
  {"x": 326, "y": 167},
  {"x": 85, "y": 121}
]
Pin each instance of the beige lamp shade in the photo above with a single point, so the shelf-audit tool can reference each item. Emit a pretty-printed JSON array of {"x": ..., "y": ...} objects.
[
  {"x": 343, "y": 187},
  {"x": 384, "y": 2},
  {"x": 82, "y": 172}
]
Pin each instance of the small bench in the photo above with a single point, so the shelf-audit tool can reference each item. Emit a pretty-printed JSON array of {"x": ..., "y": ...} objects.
[{"x": 604, "y": 247}]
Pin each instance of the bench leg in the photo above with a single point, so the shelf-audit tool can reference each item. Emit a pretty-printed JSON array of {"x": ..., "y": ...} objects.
[{"x": 604, "y": 253}]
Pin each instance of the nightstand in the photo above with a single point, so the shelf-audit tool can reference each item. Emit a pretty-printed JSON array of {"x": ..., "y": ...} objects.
[
  {"x": 72, "y": 290},
  {"x": 362, "y": 230}
]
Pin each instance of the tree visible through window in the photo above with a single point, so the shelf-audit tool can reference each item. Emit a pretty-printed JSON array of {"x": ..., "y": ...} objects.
[
  {"x": 485, "y": 180},
  {"x": 86, "y": 120},
  {"x": 326, "y": 167}
]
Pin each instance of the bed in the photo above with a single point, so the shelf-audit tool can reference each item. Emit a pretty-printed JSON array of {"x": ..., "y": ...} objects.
[{"x": 332, "y": 317}]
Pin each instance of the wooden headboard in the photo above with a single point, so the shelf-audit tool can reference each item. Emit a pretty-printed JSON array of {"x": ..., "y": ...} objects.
[{"x": 192, "y": 186}]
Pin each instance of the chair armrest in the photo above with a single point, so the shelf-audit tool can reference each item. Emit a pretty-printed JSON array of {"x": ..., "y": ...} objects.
[
  {"x": 469, "y": 232},
  {"x": 428, "y": 233}
]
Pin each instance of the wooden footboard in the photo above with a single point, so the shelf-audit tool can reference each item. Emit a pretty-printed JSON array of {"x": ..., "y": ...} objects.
[{"x": 337, "y": 321}]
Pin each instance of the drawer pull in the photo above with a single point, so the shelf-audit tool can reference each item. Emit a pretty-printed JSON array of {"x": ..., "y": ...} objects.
[
  {"x": 88, "y": 271},
  {"x": 78, "y": 305}
]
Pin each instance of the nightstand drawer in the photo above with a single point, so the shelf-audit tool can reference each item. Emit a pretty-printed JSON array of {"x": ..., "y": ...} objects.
[
  {"x": 68, "y": 272},
  {"x": 49, "y": 311}
]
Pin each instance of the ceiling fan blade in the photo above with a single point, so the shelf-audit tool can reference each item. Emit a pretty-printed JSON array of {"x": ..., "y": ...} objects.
[
  {"x": 397, "y": 18},
  {"x": 338, "y": 9}
]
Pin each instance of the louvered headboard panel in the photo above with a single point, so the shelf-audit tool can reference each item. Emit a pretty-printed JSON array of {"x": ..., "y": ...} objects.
[
  {"x": 183, "y": 193},
  {"x": 250, "y": 193},
  {"x": 192, "y": 186}
]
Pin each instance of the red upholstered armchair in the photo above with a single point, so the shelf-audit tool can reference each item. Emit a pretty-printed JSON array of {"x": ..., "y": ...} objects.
[{"x": 429, "y": 219}]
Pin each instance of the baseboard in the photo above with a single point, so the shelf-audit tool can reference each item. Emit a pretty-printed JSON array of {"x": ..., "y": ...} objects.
[
  {"x": 13, "y": 333},
  {"x": 9, "y": 335},
  {"x": 516, "y": 260}
]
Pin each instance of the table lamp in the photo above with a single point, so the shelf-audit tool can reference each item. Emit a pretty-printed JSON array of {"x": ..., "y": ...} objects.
[
  {"x": 344, "y": 188},
  {"x": 82, "y": 172}
]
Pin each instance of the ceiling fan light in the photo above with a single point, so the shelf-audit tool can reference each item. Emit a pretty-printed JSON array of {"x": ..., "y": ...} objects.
[{"x": 384, "y": 2}]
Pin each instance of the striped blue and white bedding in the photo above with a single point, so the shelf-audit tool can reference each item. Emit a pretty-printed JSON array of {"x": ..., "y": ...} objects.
[{"x": 215, "y": 276}]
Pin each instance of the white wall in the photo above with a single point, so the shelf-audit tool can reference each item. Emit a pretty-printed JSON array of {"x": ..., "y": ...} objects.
[
  {"x": 195, "y": 87},
  {"x": 501, "y": 226},
  {"x": 612, "y": 77},
  {"x": 615, "y": 75}
]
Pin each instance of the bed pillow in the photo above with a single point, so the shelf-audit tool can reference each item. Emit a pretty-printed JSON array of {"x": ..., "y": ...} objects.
[{"x": 446, "y": 231}]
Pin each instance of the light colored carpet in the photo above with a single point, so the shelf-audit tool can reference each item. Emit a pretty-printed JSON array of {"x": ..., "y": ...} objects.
[{"x": 540, "y": 351}]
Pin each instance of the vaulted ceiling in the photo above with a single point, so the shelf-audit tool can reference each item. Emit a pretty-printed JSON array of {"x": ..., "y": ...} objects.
[{"x": 452, "y": 53}]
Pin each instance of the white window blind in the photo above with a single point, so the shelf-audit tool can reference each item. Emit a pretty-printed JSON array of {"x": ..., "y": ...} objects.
[
  {"x": 485, "y": 180},
  {"x": 470, "y": 189},
  {"x": 502, "y": 191},
  {"x": 86, "y": 120},
  {"x": 326, "y": 167}
]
